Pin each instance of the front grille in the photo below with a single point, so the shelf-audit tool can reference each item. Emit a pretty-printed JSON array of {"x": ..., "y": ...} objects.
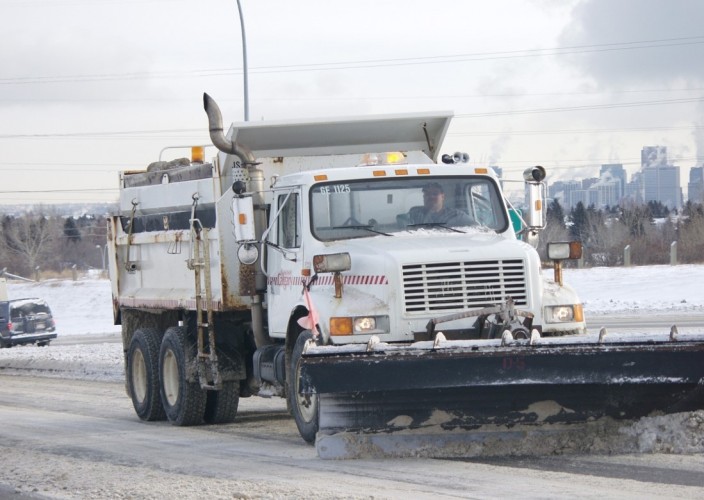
[{"x": 453, "y": 286}]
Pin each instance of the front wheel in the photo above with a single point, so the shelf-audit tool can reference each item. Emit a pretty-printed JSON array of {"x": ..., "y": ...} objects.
[
  {"x": 184, "y": 401},
  {"x": 303, "y": 406}
]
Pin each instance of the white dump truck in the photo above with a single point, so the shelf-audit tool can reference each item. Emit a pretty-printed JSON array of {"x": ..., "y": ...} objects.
[{"x": 329, "y": 232}]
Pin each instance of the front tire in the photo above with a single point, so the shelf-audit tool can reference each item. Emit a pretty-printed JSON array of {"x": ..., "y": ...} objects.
[
  {"x": 304, "y": 407},
  {"x": 184, "y": 401},
  {"x": 143, "y": 375}
]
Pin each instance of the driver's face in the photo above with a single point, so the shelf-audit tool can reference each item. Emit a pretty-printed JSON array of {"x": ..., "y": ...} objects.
[{"x": 433, "y": 199}]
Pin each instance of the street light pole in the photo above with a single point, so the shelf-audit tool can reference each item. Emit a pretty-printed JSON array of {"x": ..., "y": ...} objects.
[{"x": 244, "y": 64}]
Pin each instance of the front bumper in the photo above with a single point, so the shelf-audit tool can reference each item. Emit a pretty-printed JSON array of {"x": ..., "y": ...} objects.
[{"x": 27, "y": 338}]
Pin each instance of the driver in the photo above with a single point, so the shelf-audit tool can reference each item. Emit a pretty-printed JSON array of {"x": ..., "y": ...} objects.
[{"x": 434, "y": 210}]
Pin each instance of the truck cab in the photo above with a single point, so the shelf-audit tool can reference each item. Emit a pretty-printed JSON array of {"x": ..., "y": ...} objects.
[{"x": 407, "y": 264}]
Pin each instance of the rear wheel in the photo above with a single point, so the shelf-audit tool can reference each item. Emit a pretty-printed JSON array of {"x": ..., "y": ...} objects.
[
  {"x": 221, "y": 406},
  {"x": 304, "y": 407},
  {"x": 184, "y": 401},
  {"x": 143, "y": 374}
]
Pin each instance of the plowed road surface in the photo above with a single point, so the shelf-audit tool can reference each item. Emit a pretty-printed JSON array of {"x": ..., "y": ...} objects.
[{"x": 62, "y": 438}]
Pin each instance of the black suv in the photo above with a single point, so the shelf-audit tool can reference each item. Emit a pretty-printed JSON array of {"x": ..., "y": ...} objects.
[{"x": 26, "y": 321}]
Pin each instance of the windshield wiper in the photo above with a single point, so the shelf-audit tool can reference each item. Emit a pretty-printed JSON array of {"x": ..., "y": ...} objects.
[
  {"x": 367, "y": 227},
  {"x": 435, "y": 224}
]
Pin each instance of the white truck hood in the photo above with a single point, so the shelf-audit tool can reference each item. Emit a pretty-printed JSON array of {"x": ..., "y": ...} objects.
[{"x": 436, "y": 246}]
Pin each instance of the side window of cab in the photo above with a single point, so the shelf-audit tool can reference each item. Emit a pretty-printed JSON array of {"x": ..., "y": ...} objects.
[{"x": 288, "y": 234}]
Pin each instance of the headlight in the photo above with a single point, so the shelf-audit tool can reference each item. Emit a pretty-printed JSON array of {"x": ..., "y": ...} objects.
[
  {"x": 364, "y": 324},
  {"x": 360, "y": 325},
  {"x": 564, "y": 314}
]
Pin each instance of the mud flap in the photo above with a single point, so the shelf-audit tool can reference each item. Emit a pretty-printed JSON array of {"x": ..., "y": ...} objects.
[{"x": 465, "y": 386}]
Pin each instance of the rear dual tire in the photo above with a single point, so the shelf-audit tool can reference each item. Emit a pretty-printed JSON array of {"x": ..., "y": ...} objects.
[
  {"x": 221, "y": 406},
  {"x": 143, "y": 374},
  {"x": 184, "y": 402},
  {"x": 159, "y": 387}
]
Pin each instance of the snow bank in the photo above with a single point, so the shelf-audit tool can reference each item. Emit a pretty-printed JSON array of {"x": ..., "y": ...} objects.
[
  {"x": 99, "y": 361},
  {"x": 638, "y": 290},
  {"x": 78, "y": 307}
]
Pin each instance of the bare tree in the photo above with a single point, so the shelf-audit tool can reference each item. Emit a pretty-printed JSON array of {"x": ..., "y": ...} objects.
[
  {"x": 691, "y": 234},
  {"x": 27, "y": 237}
]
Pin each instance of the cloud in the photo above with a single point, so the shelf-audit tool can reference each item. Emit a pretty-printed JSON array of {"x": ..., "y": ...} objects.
[{"x": 599, "y": 22}]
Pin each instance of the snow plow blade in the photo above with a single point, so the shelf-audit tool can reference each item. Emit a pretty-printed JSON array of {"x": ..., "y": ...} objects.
[{"x": 377, "y": 389}]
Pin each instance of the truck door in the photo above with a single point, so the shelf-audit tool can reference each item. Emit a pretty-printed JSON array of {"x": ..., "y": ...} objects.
[{"x": 284, "y": 260}]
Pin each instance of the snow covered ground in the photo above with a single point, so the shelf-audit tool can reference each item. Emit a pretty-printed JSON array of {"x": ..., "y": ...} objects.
[
  {"x": 646, "y": 290},
  {"x": 85, "y": 306}
]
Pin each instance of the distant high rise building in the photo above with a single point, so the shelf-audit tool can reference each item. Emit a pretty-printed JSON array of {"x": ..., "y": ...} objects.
[
  {"x": 606, "y": 192},
  {"x": 563, "y": 192},
  {"x": 653, "y": 156},
  {"x": 587, "y": 183},
  {"x": 634, "y": 189},
  {"x": 695, "y": 187},
  {"x": 616, "y": 171},
  {"x": 662, "y": 183}
]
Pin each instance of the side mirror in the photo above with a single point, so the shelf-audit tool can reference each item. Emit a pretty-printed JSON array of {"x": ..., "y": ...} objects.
[
  {"x": 245, "y": 235},
  {"x": 535, "y": 217},
  {"x": 563, "y": 250},
  {"x": 333, "y": 263},
  {"x": 243, "y": 211}
]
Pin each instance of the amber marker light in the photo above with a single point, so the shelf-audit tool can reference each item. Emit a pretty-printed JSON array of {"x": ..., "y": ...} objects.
[
  {"x": 197, "y": 154},
  {"x": 340, "y": 326}
]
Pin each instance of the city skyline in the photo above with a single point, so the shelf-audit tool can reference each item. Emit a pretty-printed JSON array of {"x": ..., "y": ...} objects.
[{"x": 658, "y": 179}]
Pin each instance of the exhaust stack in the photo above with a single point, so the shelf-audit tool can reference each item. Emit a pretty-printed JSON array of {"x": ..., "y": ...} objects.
[{"x": 217, "y": 135}]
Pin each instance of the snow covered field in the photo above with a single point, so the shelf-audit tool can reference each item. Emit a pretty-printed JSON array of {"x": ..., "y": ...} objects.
[{"x": 85, "y": 307}]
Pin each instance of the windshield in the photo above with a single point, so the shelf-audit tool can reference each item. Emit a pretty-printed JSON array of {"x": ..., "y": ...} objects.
[{"x": 356, "y": 209}]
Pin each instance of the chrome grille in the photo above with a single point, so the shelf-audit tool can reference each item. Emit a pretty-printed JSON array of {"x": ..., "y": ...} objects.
[{"x": 452, "y": 286}]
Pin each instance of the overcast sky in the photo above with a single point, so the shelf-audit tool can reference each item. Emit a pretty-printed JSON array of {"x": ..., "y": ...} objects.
[{"x": 92, "y": 87}]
